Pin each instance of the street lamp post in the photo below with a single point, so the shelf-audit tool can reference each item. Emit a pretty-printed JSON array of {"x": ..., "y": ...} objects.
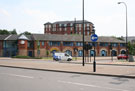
[
  {"x": 126, "y": 26},
  {"x": 83, "y": 30}
]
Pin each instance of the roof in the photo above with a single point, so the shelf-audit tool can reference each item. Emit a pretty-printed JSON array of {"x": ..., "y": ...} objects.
[
  {"x": 55, "y": 37},
  {"x": 66, "y": 22},
  {"x": 48, "y": 23},
  {"x": 2, "y": 37},
  {"x": 130, "y": 38},
  {"x": 15, "y": 37},
  {"x": 23, "y": 37}
]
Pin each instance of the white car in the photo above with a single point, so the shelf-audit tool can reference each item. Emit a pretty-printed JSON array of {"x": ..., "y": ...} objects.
[{"x": 61, "y": 56}]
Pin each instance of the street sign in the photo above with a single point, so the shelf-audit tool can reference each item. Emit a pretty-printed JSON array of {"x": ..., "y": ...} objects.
[{"x": 94, "y": 37}]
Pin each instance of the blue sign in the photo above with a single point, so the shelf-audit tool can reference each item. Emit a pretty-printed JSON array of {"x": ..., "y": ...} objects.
[{"x": 94, "y": 37}]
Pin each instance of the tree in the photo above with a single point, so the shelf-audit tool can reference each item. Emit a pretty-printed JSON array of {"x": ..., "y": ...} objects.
[
  {"x": 131, "y": 48},
  {"x": 13, "y": 32},
  {"x": 26, "y": 33},
  {"x": 4, "y": 31},
  {"x": 47, "y": 53},
  {"x": 120, "y": 38}
]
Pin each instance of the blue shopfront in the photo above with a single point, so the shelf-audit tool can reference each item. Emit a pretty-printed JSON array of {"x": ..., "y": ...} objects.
[{"x": 10, "y": 48}]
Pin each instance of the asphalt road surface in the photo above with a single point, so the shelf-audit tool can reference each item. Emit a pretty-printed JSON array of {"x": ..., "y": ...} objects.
[{"x": 14, "y": 79}]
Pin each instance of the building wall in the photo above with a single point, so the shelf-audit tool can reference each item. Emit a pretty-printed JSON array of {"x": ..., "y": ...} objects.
[
  {"x": 1, "y": 48},
  {"x": 50, "y": 29},
  {"x": 23, "y": 48}
]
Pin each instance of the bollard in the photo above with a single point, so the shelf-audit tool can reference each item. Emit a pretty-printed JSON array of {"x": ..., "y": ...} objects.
[{"x": 94, "y": 66}]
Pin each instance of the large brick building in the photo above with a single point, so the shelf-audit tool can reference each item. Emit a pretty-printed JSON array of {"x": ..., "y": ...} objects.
[
  {"x": 69, "y": 27},
  {"x": 39, "y": 44}
]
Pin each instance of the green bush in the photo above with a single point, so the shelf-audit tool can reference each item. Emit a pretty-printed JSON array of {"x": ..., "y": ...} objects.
[{"x": 26, "y": 57}]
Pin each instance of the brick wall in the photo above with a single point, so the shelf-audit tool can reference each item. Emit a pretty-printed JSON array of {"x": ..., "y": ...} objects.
[{"x": 22, "y": 48}]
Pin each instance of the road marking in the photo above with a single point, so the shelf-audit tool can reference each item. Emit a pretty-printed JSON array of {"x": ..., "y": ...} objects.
[
  {"x": 88, "y": 85},
  {"x": 18, "y": 75}
]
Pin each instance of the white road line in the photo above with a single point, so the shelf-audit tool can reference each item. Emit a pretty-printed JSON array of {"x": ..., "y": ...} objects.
[
  {"x": 88, "y": 85},
  {"x": 18, "y": 75}
]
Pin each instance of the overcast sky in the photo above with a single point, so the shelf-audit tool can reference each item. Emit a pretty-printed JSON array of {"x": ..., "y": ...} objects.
[{"x": 30, "y": 15}]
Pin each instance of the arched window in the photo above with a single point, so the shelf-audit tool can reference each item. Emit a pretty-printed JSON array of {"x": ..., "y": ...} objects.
[
  {"x": 114, "y": 53},
  {"x": 69, "y": 52},
  {"x": 103, "y": 53},
  {"x": 92, "y": 53},
  {"x": 123, "y": 52},
  {"x": 80, "y": 53}
]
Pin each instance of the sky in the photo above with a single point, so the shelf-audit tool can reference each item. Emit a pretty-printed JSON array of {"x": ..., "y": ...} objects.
[{"x": 107, "y": 16}]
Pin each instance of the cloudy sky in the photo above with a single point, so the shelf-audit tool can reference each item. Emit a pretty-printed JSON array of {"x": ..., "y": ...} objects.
[{"x": 30, "y": 15}]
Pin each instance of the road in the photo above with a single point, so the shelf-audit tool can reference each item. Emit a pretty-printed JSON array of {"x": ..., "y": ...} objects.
[{"x": 14, "y": 79}]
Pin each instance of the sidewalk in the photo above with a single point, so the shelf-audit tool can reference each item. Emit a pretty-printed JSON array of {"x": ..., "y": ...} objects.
[{"x": 103, "y": 70}]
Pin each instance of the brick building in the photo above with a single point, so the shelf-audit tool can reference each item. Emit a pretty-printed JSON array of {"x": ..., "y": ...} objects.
[
  {"x": 39, "y": 44},
  {"x": 69, "y": 27}
]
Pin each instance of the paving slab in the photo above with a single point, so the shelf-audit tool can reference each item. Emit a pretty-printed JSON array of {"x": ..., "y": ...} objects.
[{"x": 107, "y": 70}]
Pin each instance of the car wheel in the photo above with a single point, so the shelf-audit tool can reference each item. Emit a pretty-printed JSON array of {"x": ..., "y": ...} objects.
[
  {"x": 69, "y": 59},
  {"x": 57, "y": 59}
]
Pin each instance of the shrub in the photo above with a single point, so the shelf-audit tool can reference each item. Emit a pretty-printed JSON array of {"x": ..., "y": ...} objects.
[{"x": 26, "y": 57}]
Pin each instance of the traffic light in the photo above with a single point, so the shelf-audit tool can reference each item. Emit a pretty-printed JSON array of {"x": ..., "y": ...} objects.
[
  {"x": 110, "y": 47},
  {"x": 87, "y": 46}
]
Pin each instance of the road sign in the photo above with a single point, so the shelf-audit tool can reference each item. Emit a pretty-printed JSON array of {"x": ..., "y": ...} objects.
[{"x": 94, "y": 37}]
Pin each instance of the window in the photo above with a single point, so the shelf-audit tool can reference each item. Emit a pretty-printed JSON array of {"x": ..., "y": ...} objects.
[
  {"x": 65, "y": 29},
  {"x": 71, "y": 29},
  {"x": 30, "y": 44},
  {"x": 122, "y": 44},
  {"x": 88, "y": 28},
  {"x": 49, "y": 26},
  {"x": 43, "y": 43},
  {"x": 54, "y": 43},
  {"x": 69, "y": 52},
  {"x": 79, "y": 44},
  {"x": 88, "y": 24},
  {"x": 92, "y": 53},
  {"x": 65, "y": 25},
  {"x": 80, "y": 25},
  {"x": 68, "y": 43},
  {"x": 59, "y": 25},
  {"x": 80, "y": 53},
  {"x": 60, "y": 29},
  {"x": 104, "y": 44},
  {"x": 114, "y": 53},
  {"x": 103, "y": 53},
  {"x": 90, "y": 43},
  {"x": 71, "y": 24},
  {"x": 80, "y": 28},
  {"x": 114, "y": 44}
]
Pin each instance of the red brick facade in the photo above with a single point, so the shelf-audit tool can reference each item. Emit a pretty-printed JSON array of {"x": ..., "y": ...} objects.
[
  {"x": 39, "y": 45},
  {"x": 68, "y": 28}
]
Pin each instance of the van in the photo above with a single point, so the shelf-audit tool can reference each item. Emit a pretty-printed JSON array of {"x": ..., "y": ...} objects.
[{"x": 61, "y": 56}]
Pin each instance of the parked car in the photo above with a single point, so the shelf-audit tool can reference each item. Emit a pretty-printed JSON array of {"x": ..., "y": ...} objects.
[
  {"x": 122, "y": 56},
  {"x": 61, "y": 56}
]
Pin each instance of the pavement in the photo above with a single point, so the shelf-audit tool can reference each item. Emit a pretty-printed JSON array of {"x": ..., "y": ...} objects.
[{"x": 104, "y": 66}]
